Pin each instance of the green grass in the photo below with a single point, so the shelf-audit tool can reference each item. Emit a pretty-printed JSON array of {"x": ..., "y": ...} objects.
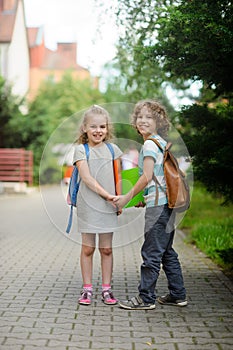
[{"x": 209, "y": 225}]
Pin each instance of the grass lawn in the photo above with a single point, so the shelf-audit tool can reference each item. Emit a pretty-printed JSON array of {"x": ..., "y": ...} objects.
[{"x": 209, "y": 225}]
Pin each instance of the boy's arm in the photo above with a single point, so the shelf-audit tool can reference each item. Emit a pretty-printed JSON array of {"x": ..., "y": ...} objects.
[
  {"x": 148, "y": 170},
  {"x": 90, "y": 181}
]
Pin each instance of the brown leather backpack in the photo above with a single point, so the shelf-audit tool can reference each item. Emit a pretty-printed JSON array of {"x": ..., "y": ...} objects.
[{"x": 178, "y": 192}]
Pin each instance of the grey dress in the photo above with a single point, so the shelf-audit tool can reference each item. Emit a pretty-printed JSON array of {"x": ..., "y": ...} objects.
[{"x": 96, "y": 215}]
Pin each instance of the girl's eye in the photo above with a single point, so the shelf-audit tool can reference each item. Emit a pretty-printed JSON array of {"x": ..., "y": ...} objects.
[{"x": 93, "y": 127}]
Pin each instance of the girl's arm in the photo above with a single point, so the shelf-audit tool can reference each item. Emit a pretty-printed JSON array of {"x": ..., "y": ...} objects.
[
  {"x": 90, "y": 181},
  {"x": 148, "y": 170}
]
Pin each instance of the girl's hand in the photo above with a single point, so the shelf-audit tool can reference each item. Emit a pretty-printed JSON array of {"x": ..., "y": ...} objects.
[{"x": 110, "y": 198}]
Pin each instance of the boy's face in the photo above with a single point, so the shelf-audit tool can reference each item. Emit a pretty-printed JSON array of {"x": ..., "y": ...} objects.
[
  {"x": 145, "y": 123},
  {"x": 96, "y": 129}
]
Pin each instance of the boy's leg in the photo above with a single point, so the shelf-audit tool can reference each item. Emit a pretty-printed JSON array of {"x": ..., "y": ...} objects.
[
  {"x": 173, "y": 271},
  {"x": 154, "y": 246}
]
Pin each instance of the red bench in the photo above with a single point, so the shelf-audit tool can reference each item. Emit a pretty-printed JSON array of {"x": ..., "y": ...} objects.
[{"x": 16, "y": 165}]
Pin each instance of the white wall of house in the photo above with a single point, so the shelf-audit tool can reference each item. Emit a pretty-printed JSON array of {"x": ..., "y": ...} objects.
[
  {"x": 4, "y": 48},
  {"x": 18, "y": 64}
]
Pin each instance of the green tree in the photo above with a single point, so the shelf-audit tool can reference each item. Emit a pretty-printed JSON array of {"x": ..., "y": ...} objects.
[
  {"x": 188, "y": 41},
  {"x": 195, "y": 42},
  {"x": 54, "y": 103},
  {"x": 207, "y": 133},
  {"x": 10, "y": 117},
  {"x": 140, "y": 78}
]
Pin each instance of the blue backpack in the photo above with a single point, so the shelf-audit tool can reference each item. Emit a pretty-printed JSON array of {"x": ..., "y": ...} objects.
[{"x": 75, "y": 183}]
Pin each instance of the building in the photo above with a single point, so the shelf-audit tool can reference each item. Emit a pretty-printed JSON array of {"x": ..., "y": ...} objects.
[
  {"x": 14, "y": 49},
  {"x": 25, "y": 62},
  {"x": 48, "y": 64}
]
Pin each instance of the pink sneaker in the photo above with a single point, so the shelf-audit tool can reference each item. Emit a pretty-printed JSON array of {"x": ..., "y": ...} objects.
[
  {"x": 108, "y": 298},
  {"x": 85, "y": 298}
]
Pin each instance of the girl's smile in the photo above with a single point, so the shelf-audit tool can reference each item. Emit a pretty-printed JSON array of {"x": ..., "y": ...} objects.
[{"x": 96, "y": 129}]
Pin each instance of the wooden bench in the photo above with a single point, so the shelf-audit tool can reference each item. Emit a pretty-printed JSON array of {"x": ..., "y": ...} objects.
[{"x": 16, "y": 165}]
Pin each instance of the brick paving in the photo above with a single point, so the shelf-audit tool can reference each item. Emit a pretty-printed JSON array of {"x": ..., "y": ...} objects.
[{"x": 40, "y": 281}]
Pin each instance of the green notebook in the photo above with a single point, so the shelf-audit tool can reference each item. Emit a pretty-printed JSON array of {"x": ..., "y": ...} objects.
[{"x": 129, "y": 179}]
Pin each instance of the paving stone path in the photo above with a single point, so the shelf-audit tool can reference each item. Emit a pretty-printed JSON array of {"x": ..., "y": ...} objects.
[{"x": 40, "y": 282}]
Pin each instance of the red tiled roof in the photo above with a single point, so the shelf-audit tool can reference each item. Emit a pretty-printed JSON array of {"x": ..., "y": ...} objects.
[
  {"x": 7, "y": 22},
  {"x": 32, "y": 36},
  {"x": 63, "y": 58},
  {"x": 8, "y": 10}
]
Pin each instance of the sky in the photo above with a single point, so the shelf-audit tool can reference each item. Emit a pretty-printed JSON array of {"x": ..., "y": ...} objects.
[
  {"x": 84, "y": 22},
  {"x": 80, "y": 21}
]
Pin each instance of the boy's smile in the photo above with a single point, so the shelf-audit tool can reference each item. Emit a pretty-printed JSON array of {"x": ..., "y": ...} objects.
[{"x": 145, "y": 123}]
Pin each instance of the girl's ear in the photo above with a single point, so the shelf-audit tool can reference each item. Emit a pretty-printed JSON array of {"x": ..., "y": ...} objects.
[{"x": 83, "y": 128}]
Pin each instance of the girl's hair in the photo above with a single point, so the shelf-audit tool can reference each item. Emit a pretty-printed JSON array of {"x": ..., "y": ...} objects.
[
  {"x": 158, "y": 113},
  {"x": 94, "y": 110}
]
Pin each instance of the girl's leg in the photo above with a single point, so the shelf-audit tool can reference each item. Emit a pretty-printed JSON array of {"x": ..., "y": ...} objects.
[
  {"x": 86, "y": 262},
  {"x": 86, "y": 257},
  {"x": 105, "y": 249}
]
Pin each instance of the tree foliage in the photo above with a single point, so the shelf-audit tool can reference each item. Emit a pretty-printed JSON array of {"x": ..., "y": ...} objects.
[
  {"x": 53, "y": 105},
  {"x": 143, "y": 78},
  {"x": 207, "y": 132},
  {"x": 10, "y": 116},
  {"x": 188, "y": 41},
  {"x": 195, "y": 42}
]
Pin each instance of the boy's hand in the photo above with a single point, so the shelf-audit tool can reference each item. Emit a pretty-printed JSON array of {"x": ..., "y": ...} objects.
[
  {"x": 120, "y": 201},
  {"x": 110, "y": 199}
]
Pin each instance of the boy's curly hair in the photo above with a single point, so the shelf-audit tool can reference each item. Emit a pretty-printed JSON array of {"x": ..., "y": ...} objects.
[
  {"x": 158, "y": 112},
  {"x": 93, "y": 110}
]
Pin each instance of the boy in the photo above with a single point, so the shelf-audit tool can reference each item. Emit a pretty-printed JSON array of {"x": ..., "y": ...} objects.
[{"x": 150, "y": 120}]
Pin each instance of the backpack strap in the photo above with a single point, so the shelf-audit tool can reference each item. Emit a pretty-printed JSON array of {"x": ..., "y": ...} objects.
[
  {"x": 110, "y": 147},
  {"x": 87, "y": 151},
  {"x": 115, "y": 169},
  {"x": 157, "y": 183},
  {"x": 115, "y": 172}
]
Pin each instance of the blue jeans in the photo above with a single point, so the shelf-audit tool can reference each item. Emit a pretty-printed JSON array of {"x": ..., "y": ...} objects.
[{"x": 157, "y": 249}]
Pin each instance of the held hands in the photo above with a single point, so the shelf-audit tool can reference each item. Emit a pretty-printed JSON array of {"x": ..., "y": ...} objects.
[
  {"x": 120, "y": 201},
  {"x": 110, "y": 198},
  {"x": 117, "y": 201}
]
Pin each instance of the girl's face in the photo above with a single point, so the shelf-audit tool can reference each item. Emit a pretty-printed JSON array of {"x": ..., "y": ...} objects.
[
  {"x": 96, "y": 129},
  {"x": 145, "y": 123}
]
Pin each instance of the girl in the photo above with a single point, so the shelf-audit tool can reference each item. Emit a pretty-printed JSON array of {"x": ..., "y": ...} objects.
[
  {"x": 150, "y": 120},
  {"x": 96, "y": 214}
]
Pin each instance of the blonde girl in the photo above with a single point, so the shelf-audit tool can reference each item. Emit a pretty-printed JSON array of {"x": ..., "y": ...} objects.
[{"x": 96, "y": 213}]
